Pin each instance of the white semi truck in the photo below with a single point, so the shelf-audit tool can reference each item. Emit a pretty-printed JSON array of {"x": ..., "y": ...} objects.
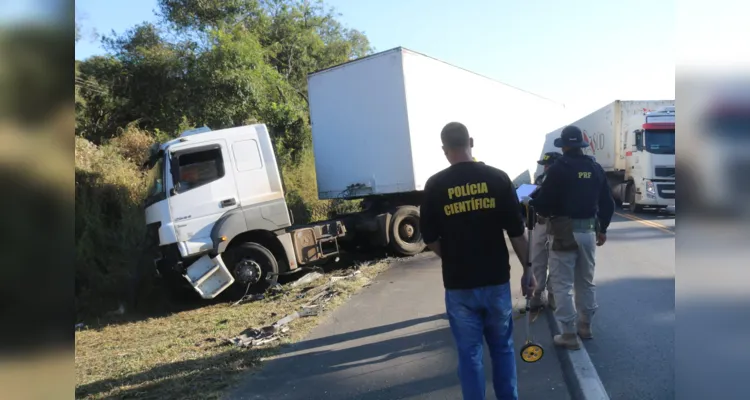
[
  {"x": 217, "y": 206},
  {"x": 634, "y": 141}
]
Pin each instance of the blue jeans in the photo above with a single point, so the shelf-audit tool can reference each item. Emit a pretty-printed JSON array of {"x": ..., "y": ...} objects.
[{"x": 474, "y": 314}]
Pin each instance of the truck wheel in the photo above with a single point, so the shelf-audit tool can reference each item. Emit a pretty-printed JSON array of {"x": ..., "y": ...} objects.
[
  {"x": 631, "y": 199},
  {"x": 406, "y": 238},
  {"x": 250, "y": 263}
]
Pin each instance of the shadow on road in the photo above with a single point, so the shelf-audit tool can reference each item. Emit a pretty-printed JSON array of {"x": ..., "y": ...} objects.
[
  {"x": 183, "y": 379},
  {"x": 363, "y": 333}
]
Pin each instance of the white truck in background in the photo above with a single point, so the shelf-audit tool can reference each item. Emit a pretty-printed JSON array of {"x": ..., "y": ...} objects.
[
  {"x": 217, "y": 207},
  {"x": 634, "y": 141}
]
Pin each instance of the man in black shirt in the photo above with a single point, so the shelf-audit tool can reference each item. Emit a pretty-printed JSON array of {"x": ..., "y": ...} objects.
[{"x": 465, "y": 210}]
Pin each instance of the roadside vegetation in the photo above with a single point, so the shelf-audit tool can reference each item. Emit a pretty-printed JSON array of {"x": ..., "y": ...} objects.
[
  {"x": 187, "y": 355},
  {"x": 215, "y": 63}
]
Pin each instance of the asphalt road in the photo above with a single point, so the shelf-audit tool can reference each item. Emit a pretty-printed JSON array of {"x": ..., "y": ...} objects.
[
  {"x": 392, "y": 341},
  {"x": 633, "y": 348}
]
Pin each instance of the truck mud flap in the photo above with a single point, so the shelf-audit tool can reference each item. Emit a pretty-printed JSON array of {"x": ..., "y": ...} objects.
[{"x": 209, "y": 276}]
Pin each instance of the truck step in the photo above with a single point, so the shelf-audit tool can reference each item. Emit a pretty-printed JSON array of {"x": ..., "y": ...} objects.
[{"x": 209, "y": 276}]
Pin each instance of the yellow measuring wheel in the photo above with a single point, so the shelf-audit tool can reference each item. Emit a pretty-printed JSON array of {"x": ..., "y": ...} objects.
[{"x": 530, "y": 352}]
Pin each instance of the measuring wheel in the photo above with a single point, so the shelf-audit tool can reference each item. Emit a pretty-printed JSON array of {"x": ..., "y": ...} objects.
[{"x": 531, "y": 352}]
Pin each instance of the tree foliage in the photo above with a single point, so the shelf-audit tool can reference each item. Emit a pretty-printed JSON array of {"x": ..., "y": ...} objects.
[{"x": 219, "y": 63}]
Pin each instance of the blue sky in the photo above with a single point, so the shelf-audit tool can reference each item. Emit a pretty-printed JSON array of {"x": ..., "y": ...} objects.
[{"x": 585, "y": 53}]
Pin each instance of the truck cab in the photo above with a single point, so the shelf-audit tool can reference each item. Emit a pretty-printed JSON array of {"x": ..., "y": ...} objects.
[
  {"x": 216, "y": 207},
  {"x": 650, "y": 163}
]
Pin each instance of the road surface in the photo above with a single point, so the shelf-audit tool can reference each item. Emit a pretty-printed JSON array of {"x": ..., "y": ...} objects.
[
  {"x": 392, "y": 341},
  {"x": 633, "y": 348}
]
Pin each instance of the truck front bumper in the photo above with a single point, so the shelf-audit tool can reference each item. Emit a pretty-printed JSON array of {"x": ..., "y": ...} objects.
[{"x": 662, "y": 195}]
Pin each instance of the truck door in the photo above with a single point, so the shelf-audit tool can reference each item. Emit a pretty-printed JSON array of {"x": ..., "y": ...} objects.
[{"x": 202, "y": 190}]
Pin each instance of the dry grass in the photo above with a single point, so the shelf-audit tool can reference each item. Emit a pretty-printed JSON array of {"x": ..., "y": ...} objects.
[{"x": 184, "y": 356}]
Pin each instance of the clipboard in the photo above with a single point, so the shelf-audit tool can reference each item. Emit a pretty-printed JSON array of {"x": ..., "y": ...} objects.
[{"x": 525, "y": 190}]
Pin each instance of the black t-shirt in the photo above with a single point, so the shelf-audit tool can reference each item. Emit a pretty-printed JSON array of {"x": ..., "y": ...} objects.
[{"x": 467, "y": 207}]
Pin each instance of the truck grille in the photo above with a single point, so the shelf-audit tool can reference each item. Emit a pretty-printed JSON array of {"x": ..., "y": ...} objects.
[
  {"x": 660, "y": 188},
  {"x": 664, "y": 172}
]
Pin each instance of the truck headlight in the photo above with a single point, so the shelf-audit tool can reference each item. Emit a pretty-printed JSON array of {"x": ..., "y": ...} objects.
[{"x": 650, "y": 188}]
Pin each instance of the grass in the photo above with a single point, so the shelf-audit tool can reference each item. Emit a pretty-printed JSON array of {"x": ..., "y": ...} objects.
[{"x": 184, "y": 356}]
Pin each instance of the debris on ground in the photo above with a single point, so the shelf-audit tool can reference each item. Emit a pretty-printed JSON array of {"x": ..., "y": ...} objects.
[
  {"x": 318, "y": 297},
  {"x": 353, "y": 275},
  {"x": 249, "y": 298},
  {"x": 306, "y": 279},
  {"x": 110, "y": 356}
]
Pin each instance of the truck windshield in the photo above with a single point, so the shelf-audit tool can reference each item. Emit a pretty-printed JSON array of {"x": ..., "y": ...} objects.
[
  {"x": 660, "y": 142},
  {"x": 156, "y": 190}
]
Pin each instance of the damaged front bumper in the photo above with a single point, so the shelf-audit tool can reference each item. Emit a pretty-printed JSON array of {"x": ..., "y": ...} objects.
[
  {"x": 209, "y": 276},
  {"x": 206, "y": 274}
]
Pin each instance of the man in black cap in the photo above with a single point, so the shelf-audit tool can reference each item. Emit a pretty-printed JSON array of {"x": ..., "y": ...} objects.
[
  {"x": 466, "y": 208},
  {"x": 539, "y": 240},
  {"x": 578, "y": 203}
]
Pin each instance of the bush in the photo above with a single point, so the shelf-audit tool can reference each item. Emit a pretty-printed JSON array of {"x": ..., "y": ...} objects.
[
  {"x": 301, "y": 188},
  {"x": 110, "y": 226},
  {"x": 109, "y": 220}
]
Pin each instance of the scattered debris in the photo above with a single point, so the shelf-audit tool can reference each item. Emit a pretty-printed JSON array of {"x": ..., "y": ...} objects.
[
  {"x": 353, "y": 275},
  {"x": 306, "y": 279},
  {"x": 322, "y": 294},
  {"x": 249, "y": 298}
]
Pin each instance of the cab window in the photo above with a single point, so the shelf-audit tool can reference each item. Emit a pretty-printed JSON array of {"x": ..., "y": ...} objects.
[{"x": 195, "y": 168}]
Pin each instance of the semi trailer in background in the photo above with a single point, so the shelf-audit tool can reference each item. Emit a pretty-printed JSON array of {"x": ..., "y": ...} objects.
[
  {"x": 634, "y": 141},
  {"x": 217, "y": 202}
]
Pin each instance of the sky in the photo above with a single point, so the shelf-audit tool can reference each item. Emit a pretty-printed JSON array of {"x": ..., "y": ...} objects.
[{"x": 584, "y": 53}]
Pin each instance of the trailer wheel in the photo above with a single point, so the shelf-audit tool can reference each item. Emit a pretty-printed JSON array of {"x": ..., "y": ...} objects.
[
  {"x": 631, "y": 199},
  {"x": 406, "y": 237},
  {"x": 250, "y": 264}
]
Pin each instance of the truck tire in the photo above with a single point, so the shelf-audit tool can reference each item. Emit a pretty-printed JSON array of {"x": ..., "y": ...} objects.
[
  {"x": 250, "y": 263},
  {"x": 635, "y": 208},
  {"x": 406, "y": 238}
]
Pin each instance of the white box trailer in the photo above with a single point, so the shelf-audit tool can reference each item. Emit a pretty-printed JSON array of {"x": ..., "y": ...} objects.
[
  {"x": 376, "y": 123},
  {"x": 639, "y": 157},
  {"x": 217, "y": 207}
]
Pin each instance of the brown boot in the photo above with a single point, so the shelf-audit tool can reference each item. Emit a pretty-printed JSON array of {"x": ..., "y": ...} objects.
[
  {"x": 567, "y": 340},
  {"x": 584, "y": 330}
]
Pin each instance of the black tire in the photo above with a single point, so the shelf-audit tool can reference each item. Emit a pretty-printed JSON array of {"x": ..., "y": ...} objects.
[
  {"x": 635, "y": 208},
  {"x": 244, "y": 260},
  {"x": 404, "y": 232}
]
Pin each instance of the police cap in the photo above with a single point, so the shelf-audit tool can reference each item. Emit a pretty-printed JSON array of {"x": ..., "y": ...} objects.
[{"x": 549, "y": 158}]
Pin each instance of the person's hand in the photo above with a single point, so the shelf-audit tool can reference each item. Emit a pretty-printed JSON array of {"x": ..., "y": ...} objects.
[
  {"x": 528, "y": 283},
  {"x": 601, "y": 238}
]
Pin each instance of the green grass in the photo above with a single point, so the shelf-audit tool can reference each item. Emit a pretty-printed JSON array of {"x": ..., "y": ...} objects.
[{"x": 184, "y": 355}]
